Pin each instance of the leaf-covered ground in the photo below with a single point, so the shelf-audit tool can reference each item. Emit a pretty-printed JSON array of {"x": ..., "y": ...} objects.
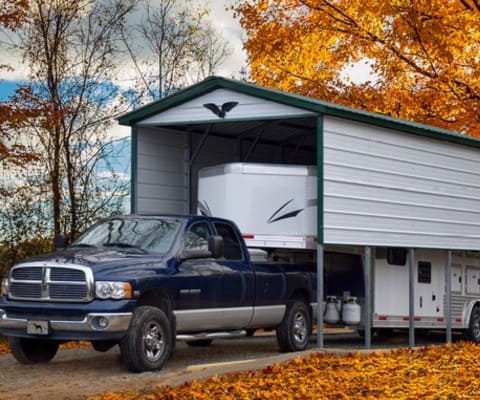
[{"x": 451, "y": 371}]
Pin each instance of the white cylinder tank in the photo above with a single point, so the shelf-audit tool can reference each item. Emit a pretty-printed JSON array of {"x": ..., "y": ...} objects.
[
  {"x": 351, "y": 311},
  {"x": 332, "y": 310}
]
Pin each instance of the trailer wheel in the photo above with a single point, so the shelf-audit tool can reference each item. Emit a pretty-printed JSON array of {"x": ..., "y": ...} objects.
[
  {"x": 32, "y": 351},
  {"x": 148, "y": 343},
  {"x": 473, "y": 331},
  {"x": 294, "y": 332}
]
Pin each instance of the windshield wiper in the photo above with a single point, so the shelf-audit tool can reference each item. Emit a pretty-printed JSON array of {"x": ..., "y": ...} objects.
[{"x": 123, "y": 245}]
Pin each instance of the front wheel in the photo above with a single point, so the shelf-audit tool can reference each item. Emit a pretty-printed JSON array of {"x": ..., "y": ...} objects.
[
  {"x": 294, "y": 332},
  {"x": 32, "y": 351},
  {"x": 473, "y": 331},
  {"x": 148, "y": 343}
]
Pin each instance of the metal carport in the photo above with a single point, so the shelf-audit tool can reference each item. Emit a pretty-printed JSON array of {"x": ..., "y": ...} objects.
[{"x": 381, "y": 181}]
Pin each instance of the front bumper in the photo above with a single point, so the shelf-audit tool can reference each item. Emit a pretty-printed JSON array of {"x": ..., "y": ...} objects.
[{"x": 92, "y": 326}]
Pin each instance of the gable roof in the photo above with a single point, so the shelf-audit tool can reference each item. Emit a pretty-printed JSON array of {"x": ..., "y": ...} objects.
[{"x": 309, "y": 104}]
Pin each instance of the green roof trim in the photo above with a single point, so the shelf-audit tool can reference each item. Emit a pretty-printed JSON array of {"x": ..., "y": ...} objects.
[{"x": 321, "y": 107}]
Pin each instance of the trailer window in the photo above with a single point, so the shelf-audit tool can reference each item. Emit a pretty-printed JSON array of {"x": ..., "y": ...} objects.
[
  {"x": 424, "y": 272},
  {"x": 231, "y": 246},
  {"x": 396, "y": 256}
]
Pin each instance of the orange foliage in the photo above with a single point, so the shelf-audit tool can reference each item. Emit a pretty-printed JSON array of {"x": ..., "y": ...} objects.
[
  {"x": 446, "y": 372},
  {"x": 12, "y": 12},
  {"x": 423, "y": 55}
]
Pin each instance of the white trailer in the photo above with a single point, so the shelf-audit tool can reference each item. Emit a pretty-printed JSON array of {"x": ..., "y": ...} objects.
[
  {"x": 275, "y": 208},
  {"x": 274, "y": 205}
]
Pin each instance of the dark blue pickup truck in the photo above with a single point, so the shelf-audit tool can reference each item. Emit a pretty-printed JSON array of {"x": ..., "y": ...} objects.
[{"x": 143, "y": 282}]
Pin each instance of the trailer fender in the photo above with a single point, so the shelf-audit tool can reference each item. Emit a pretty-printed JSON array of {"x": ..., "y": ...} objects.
[{"x": 467, "y": 312}]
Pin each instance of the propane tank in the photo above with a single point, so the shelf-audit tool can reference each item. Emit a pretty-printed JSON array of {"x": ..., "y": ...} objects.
[
  {"x": 351, "y": 311},
  {"x": 332, "y": 310}
]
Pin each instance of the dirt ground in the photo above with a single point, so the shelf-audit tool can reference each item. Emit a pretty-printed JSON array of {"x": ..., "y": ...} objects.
[{"x": 75, "y": 374}]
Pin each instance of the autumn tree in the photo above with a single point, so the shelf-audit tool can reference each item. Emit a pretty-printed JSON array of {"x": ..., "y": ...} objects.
[
  {"x": 12, "y": 152},
  {"x": 173, "y": 45},
  {"x": 423, "y": 55},
  {"x": 70, "y": 47}
]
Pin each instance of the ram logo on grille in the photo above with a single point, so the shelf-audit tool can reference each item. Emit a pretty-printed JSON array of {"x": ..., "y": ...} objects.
[{"x": 51, "y": 283}]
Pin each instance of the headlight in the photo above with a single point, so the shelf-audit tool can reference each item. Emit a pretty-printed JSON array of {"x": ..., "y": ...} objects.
[
  {"x": 4, "y": 290},
  {"x": 113, "y": 290}
]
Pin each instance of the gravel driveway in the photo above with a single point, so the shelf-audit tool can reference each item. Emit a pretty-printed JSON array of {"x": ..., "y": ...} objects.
[{"x": 78, "y": 373}]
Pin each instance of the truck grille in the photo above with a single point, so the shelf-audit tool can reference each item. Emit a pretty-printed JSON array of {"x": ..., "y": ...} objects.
[{"x": 51, "y": 283}]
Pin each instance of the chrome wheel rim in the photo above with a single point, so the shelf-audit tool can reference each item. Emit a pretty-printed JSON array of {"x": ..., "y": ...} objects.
[
  {"x": 153, "y": 341},
  {"x": 300, "y": 329}
]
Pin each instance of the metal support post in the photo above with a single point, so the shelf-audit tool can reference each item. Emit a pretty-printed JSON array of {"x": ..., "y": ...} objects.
[
  {"x": 448, "y": 285},
  {"x": 320, "y": 269},
  {"x": 367, "y": 312},
  {"x": 411, "y": 297}
]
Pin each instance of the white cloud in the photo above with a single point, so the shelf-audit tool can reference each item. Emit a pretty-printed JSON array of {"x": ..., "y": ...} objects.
[{"x": 221, "y": 17}]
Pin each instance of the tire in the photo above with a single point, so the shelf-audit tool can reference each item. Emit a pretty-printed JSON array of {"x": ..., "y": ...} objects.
[
  {"x": 200, "y": 343},
  {"x": 473, "y": 331},
  {"x": 294, "y": 332},
  {"x": 32, "y": 351},
  {"x": 148, "y": 342}
]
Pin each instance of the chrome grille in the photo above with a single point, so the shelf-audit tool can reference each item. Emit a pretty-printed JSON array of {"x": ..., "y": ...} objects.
[{"x": 51, "y": 283}]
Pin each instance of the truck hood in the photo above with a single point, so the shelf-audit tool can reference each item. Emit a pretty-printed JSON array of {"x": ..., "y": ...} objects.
[{"x": 106, "y": 263}]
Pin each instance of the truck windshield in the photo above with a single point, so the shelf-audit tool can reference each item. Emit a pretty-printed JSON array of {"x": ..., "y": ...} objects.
[{"x": 154, "y": 235}]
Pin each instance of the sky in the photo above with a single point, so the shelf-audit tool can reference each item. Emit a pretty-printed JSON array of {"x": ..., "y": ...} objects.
[{"x": 221, "y": 18}]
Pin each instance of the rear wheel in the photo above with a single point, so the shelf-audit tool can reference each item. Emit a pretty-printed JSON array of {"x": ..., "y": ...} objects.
[
  {"x": 32, "y": 351},
  {"x": 294, "y": 332},
  {"x": 473, "y": 331},
  {"x": 148, "y": 343}
]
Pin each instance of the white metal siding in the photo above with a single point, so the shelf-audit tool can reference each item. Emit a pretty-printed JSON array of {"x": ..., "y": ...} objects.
[
  {"x": 384, "y": 187},
  {"x": 162, "y": 177},
  {"x": 248, "y": 107}
]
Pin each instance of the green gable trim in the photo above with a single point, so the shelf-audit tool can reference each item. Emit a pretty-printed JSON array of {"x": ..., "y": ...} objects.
[
  {"x": 318, "y": 106},
  {"x": 133, "y": 173}
]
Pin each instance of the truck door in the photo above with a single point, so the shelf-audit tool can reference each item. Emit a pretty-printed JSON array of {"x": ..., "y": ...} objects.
[
  {"x": 199, "y": 280},
  {"x": 238, "y": 280}
]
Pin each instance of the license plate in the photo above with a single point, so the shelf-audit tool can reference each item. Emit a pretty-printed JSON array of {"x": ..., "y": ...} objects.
[{"x": 37, "y": 327}]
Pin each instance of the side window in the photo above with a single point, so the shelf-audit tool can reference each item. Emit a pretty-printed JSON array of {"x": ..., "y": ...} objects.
[
  {"x": 396, "y": 255},
  {"x": 424, "y": 272},
  {"x": 197, "y": 237},
  {"x": 231, "y": 246}
]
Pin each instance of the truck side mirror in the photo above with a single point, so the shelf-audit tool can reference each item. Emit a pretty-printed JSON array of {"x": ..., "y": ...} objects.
[
  {"x": 59, "y": 242},
  {"x": 215, "y": 246}
]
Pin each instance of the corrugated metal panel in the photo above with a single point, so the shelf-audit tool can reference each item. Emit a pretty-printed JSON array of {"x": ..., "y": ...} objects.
[
  {"x": 383, "y": 187},
  {"x": 162, "y": 180},
  {"x": 248, "y": 107}
]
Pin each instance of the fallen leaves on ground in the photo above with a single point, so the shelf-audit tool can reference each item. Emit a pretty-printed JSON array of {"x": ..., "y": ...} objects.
[{"x": 450, "y": 371}]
